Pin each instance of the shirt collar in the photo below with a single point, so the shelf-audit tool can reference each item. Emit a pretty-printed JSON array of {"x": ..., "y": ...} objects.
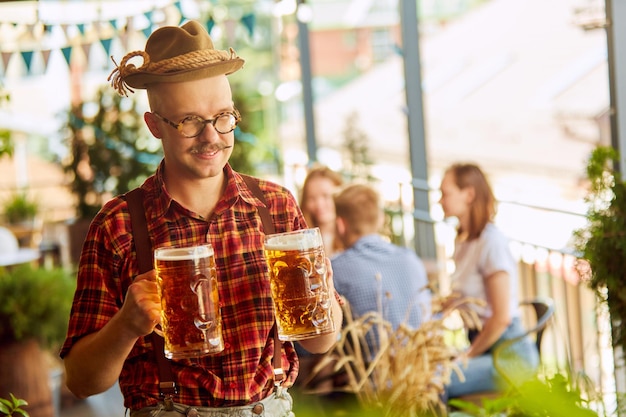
[
  {"x": 372, "y": 238},
  {"x": 236, "y": 188},
  {"x": 241, "y": 189}
]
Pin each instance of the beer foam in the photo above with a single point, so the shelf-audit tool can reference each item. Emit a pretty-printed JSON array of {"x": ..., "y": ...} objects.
[
  {"x": 182, "y": 254},
  {"x": 284, "y": 242}
]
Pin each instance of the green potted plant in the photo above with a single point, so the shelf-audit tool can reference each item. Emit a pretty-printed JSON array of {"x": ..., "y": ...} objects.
[
  {"x": 21, "y": 210},
  {"x": 20, "y": 214},
  {"x": 602, "y": 242},
  {"x": 34, "y": 308}
]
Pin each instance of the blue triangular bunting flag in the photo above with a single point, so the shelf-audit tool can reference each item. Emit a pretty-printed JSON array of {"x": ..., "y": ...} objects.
[
  {"x": 209, "y": 24},
  {"x": 147, "y": 31},
  {"x": 67, "y": 53},
  {"x": 249, "y": 21},
  {"x": 148, "y": 15},
  {"x": 28, "y": 59},
  {"x": 106, "y": 44}
]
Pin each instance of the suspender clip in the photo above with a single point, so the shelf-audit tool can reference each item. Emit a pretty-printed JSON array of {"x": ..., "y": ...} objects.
[
  {"x": 279, "y": 375},
  {"x": 167, "y": 390}
]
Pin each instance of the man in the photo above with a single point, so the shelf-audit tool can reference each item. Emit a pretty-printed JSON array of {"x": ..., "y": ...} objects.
[
  {"x": 373, "y": 274},
  {"x": 194, "y": 197}
]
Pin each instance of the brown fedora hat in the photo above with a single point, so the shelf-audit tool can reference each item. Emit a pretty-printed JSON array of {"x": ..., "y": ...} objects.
[{"x": 174, "y": 54}]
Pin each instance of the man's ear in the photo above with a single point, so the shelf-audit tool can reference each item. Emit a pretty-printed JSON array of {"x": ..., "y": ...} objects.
[
  {"x": 470, "y": 195},
  {"x": 340, "y": 224},
  {"x": 150, "y": 120}
]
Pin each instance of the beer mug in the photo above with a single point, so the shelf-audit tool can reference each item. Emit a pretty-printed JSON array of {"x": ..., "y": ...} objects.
[
  {"x": 190, "y": 314},
  {"x": 297, "y": 268}
]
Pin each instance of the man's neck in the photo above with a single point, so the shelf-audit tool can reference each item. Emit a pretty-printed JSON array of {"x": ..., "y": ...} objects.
[{"x": 199, "y": 196}]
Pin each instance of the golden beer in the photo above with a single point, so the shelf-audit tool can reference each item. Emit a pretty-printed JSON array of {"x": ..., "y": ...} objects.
[
  {"x": 190, "y": 314},
  {"x": 297, "y": 267}
]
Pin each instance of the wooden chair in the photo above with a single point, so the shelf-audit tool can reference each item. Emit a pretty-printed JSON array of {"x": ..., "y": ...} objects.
[{"x": 543, "y": 308}]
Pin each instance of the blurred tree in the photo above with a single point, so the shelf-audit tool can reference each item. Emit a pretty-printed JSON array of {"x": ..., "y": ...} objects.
[
  {"x": 111, "y": 150},
  {"x": 357, "y": 160},
  {"x": 252, "y": 154}
]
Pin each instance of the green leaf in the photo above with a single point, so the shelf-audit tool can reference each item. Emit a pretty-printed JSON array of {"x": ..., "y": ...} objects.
[{"x": 18, "y": 402}]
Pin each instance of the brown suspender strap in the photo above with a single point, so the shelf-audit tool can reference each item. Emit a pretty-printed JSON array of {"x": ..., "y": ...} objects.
[
  {"x": 268, "y": 226},
  {"x": 143, "y": 248},
  {"x": 264, "y": 213}
]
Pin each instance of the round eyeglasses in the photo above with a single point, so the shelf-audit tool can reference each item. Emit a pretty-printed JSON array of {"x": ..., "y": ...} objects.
[{"x": 192, "y": 126}]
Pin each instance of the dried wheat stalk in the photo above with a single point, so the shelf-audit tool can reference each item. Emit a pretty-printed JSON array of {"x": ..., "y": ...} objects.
[{"x": 408, "y": 371}]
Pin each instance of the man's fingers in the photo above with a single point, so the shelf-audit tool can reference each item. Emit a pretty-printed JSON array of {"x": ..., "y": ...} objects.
[{"x": 146, "y": 276}]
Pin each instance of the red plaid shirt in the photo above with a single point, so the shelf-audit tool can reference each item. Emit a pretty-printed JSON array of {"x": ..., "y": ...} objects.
[{"x": 243, "y": 372}]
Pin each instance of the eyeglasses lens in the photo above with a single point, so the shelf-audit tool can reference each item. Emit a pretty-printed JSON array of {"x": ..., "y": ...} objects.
[
  {"x": 225, "y": 123},
  {"x": 193, "y": 126}
]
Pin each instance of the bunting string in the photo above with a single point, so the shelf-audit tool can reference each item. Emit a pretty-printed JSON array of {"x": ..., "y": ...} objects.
[{"x": 33, "y": 39}]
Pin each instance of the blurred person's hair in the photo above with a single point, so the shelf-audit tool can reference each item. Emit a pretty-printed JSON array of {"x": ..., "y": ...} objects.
[
  {"x": 317, "y": 171},
  {"x": 359, "y": 205},
  {"x": 483, "y": 208}
]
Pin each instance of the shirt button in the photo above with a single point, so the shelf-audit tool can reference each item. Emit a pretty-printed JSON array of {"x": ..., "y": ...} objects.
[
  {"x": 232, "y": 385},
  {"x": 226, "y": 345}
]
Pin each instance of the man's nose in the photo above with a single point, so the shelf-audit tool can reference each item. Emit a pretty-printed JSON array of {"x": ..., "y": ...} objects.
[{"x": 209, "y": 134}]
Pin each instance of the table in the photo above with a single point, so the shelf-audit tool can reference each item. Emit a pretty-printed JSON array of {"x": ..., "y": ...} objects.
[
  {"x": 21, "y": 256},
  {"x": 10, "y": 252}
]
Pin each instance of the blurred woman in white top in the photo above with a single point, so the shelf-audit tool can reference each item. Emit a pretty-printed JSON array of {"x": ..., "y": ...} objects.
[{"x": 485, "y": 270}]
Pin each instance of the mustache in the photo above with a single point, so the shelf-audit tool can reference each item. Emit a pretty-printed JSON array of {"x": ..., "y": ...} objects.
[{"x": 213, "y": 147}]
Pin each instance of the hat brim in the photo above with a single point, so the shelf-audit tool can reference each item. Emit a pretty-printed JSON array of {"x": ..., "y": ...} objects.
[{"x": 142, "y": 79}]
